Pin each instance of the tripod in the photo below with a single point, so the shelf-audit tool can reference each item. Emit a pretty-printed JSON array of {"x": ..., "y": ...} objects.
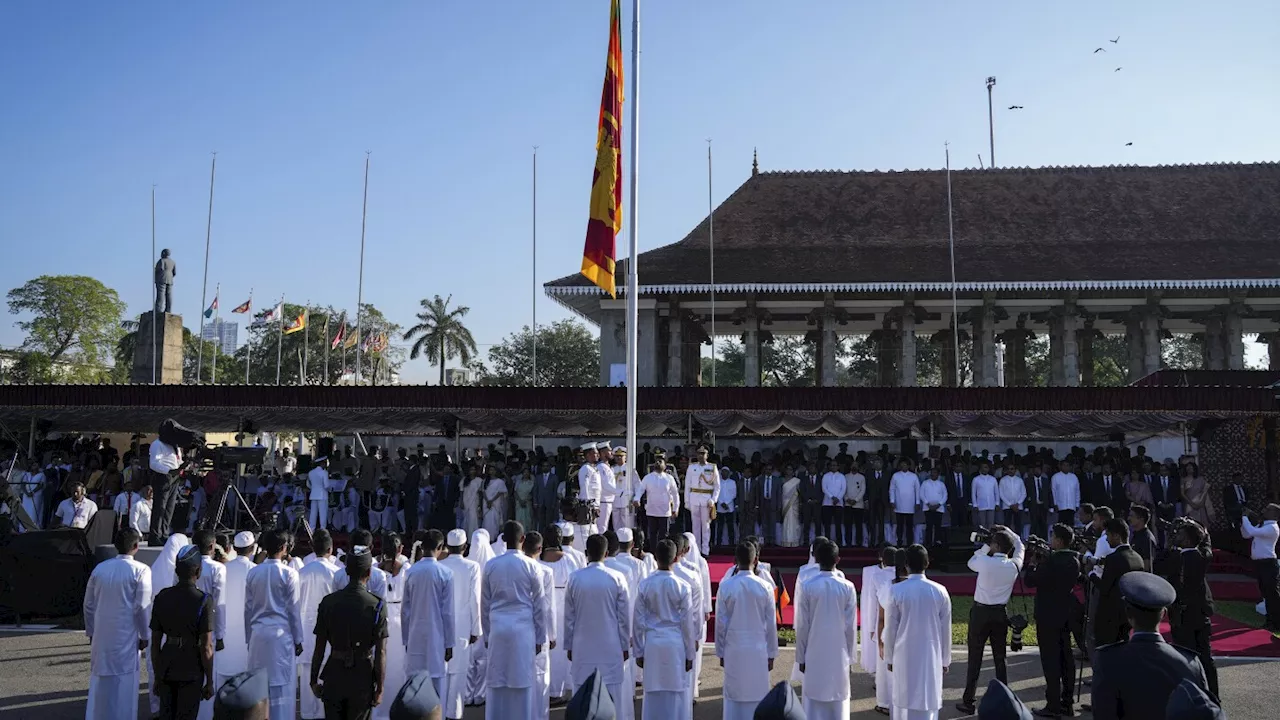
[{"x": 215, "y": 522}]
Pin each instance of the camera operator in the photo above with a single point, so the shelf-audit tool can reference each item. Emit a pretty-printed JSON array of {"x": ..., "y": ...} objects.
[
  {"x": 1263, "y": 552},
  {"x": 1054, "y": 575},
  {"x": 998, "y": 564},
  {"x": 1189, "y": 615},
  {"x": 1141, "y": 539}
]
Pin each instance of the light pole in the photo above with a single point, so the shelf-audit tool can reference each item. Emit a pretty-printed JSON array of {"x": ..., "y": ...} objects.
[{"x": 991, "y": 118}]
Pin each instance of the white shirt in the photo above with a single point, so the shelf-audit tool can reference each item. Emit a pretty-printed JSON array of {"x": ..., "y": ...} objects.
[
  {"x": 933, "y": 492},
  {"x": 996, "y": 573},
  {"x": 466, "y": 609},
  {"x": 426, "y": 615},
  {"x": 1012, "y": 492},
  {"x": 234, "y": 657},
  {"x": 661, "y": 494},
  {"x": 315, "y": 580},
  {"x": 701, "y": 484},
  {"x": 318, "y": 480},
  {"x": 213, "y": 580},
  {"x": 271, "y": 605},
  {"x": 986, "y": 493},
  {"x": 608, "y": 482},
  {"x": 833, "y": 486},
  {"x": 378, "y": 581},
  {"x": 666, "y": 630},
  {"x": 164, "y": 458},
  {"x": 589, "y": 484},
  {"x": 622, "y": 486},
  {"x": 76, "y": 515},
  {"x": 728, "y": 495},
  {"x": 746, "y": 635},
  {"x": 917, "y": 639},
  {"x": 1263, "y": 536},
  {"x": 127, "y": 505},
  {"x": 904, "y": 491},
  {"x": 826, "y": 635},
  {"x": 597, "y": 623},
  {"x": 855, "y": 489},
  {"x": 1066, "y": 491},
  {"x": 117, "y": 608},
  {"x": 513, "y": 618}
]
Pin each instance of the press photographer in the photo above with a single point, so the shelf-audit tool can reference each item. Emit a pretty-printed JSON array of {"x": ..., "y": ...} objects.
[
  {"x": 998, "y": 564},
  {"x": 168, "y": 451},
  {"x": 1187, "y": 568},
  {"x": 1263, "y": 533},
  {"x": 1054, "y": 569},
  {"x": 1141, "y": 539}
]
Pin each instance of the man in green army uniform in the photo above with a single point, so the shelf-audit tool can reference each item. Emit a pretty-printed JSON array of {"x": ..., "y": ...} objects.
[{"x": 353, "y": 623}]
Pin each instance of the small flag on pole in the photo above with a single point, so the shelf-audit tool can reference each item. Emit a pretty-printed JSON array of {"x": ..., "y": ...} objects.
[
  {"x": 269, "y": 316},
  {"x": 605, "y": 219},
  {"x": 208, "y": 313},
  {"x": 353, "y": 337},
  {"x": 341, "y": 334},
  {"x": 298, "y": 325},
  {"x": 244, "y": 307}
]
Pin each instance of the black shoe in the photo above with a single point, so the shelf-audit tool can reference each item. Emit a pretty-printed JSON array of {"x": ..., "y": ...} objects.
[
  {"x": 1086, "y": 707},
  {"x": 966, "y": 707},
  {"x": 1068, "y": 711},
  {"x": 1047, "y": 712}
]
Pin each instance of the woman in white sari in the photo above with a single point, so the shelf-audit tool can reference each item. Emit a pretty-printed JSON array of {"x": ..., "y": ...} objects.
[
  {"x": 471, "y": 495},
  {"x": 163, "y": 575},
  {"x": 480, "y": 553},
  {"x": 495, "y": 503},
  {"x": 791, "y": 529}
]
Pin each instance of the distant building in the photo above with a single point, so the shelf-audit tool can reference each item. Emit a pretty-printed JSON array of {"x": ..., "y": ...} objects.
[
  {"x": 223, "y": 333},
  {"x": 456, "y": 376}
]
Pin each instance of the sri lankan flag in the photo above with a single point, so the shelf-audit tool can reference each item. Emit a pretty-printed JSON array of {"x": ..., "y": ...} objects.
[
  {"x": 353, "y": 337},
  {"x": 600, "y": 253},
  {"x": 298, "y": 325}
]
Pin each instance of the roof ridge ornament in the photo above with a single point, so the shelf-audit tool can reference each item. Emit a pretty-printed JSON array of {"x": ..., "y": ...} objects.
[{"x": 755, "y": 162}]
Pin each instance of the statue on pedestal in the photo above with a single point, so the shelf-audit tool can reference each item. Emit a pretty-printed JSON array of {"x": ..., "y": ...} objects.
[{"x": 166, "y": 270}]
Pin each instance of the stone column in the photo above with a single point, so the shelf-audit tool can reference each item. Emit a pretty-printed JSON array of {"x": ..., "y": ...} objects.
[
  {"x": 751, "y": 358},
  {"x": 907, "y": 348},
  {"x": 1272, "y": 341},
  {"x": 984, "y": 345},
  {"x": 884, "y": 341},
  {"x": 946, "y": 356},
  {"x": 1015, "y": 357},
  {"x": 828, "y": 351},
  {"x": 613, "y": 343},
  {"x": 1213, "y": 345},
  {"x": 1233, "y": 340},
  {"x": 675, "y": 346},
  {"x": 1151, "y": 339},
  {"x": 1084, "y": 340},
  {"x": 1063, "y": 347},
  {"x": 1134, "y": 338},
  {"x": 647, "y": 352}
]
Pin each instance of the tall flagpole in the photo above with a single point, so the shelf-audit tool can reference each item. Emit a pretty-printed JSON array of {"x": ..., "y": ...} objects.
[
  {"x": 951, "y": 241},
  {"x": 217, "y": 333},
  {"x": 364, "y": 212},
  {"x": 534, "y": 379},
  {"x": 633, "y": 334},
  {"x": 204, "y": 290},
  {"x": 711, "y": 235},
  {"x": 306, "y": 339},
  {"x": 154, "y": 319},
  {"x": 280, "y": 340},
  {"x": 248, "y": 346},
  {"x": 326, "y": 345}
]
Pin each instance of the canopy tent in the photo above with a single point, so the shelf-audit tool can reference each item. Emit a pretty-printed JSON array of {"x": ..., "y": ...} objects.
[{"x": 435, "y": 410}]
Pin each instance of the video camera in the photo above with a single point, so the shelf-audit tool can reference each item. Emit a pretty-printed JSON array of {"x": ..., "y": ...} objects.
[
  {"x": 981, "y": 535},
  {"x": 1036, "y": 545}
]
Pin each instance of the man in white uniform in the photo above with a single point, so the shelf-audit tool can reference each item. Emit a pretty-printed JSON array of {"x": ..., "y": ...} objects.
[
  {"x": 234, "y": 658},
  {"x": 826, "y": 636},
  {"x": 986, "y": 496},
  {"x": 608, "y": 486},
  {"x": 1065, "y": 487},
  {"x": 832, "y": 514},
  {"x": 514, "y": 621},
  {"x": 701, "y": 491},
  {"x": 426, "y": 614},
  {"x": 318, "y": 494},
  {"x": 128, "y": 505},
  {"x": 213, "y": 581},
  {"x": 315, "y": 580},
  {"x": 904, "y": 495},
  {"x": 117, "y": 603},
  {"x": 746, "y": 636},
  {"x": 917, "y": 639},
  {"x": 632, "y": 569},
  {"x": 532, "y": 548},
  {"x": 807, "y": 571},
  {"x": 273, "y": 624},
  {"x": 690, "y": 574},
  {"x": 567, "y": 536},
  {"x": 590, "y": 484},
  {"x": 1013, "y": 496},
  {"x": 466, "y": 620},
  {"x": 597, "y": 623},
  {"x": 661, "y": 497},
  {"x": 624, "y": 512},
  {"x": 666, "y": 638}
]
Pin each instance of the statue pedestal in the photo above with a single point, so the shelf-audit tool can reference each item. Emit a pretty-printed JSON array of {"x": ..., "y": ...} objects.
[{"x": 167, "y": 354}]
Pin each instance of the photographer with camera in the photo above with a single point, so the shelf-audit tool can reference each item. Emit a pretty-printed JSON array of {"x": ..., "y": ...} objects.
[
  {"x": 1187, "y": 569},
  {"x": 1263, "y": 535},
  {"x": 998, "y": 564},
  {"x": 1054, "y": 571},
  {"x": 1141, "y": 539}
]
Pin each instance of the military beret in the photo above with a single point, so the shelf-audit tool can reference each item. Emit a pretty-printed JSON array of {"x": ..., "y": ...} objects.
[
  {"x": 1190, "y": 702},
  {"x": 780, "y": 704},
  {"x": 243, "y": 697},
  {"x": 591, "y": 701},
  {"x": 1145, "y": 590},
  {"x": 417, "y": 700},
  {"x": 999, "y": 703}
]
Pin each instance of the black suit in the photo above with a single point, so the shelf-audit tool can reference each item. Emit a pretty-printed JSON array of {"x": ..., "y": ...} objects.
[
  {"x": 1190, "y": 615},
  {"x": 1143, "y": 542},
  {"x": 1114, "y": 499},
  {"x": 412, "y": 482},
  {"x": 1134, "y": 679},
  {"x": 959, "y": 495},
  {"x": 1111, "y": 624},
  {"x": 877, "y": 504},
  {"x": 1055, "y": 578},
  {"x": 1234, "y": 499},
  {"x": 1039, "y": 498}
]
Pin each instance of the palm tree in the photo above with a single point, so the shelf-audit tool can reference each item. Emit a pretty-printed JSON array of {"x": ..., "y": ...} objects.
[{"x": 442, "y": 334}]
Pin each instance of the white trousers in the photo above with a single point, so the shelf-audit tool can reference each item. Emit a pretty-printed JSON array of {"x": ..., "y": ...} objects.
[
  {"x": 833, "y": 710},
  {"x": 318, "y": 515},
  {"x": 701, "y": 515},
  {"x": 623, "y": 516},
  {"x": 625, "y": 702},
  {"x": 451, "y": 702},
  {"x": 602, "y": 521},
  {"x": 284, "y": 705},
  {"x": 542, "y": 680},
  {"x": 665, "y": 705},
  {"x": 507, "y": 703},
  {"x": 310, "y": 706},
  {"x": 113, "y": 697},
  {"x": 907, "y": 714}
]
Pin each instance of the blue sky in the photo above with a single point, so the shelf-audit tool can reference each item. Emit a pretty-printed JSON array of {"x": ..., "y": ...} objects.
[{"x": 101, "y": 100}]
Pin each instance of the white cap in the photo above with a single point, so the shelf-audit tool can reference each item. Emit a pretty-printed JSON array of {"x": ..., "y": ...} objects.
[
  {"x": 603, "y": 446},
  {"x": 566, "y": 529},
  {"x": 588, "y": 446},
  {"x": 456, "y": 538},
  {"x": 620, "y": 449},
  {"x": 624, "y": 535},
  {"x": 243, "y": 539}
]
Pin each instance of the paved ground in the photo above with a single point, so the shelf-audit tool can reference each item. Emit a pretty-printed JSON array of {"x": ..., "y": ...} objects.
[{"x": 44, "y": 676}]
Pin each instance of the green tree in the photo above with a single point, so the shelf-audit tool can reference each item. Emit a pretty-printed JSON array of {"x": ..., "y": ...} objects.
[
  {"x": 308, "y": 348},
  {"x": 74, "y": 324},
  {"x": 441, "y": 334},
  {"x": 568, "y": 356}
]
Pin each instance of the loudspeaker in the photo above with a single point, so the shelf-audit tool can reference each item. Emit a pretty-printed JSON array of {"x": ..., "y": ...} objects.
[
  {"x": 324, "y": 447},
  {"x": 910, "y": 448},
  {"x": 304, "y": 464}
]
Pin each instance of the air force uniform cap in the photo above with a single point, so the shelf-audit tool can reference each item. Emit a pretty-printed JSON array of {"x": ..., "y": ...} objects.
[
  {"x": 999, "y": 703},
  {"x": 591, "y": 701},
  {"x": 243, "y": 697},
  {"x": 1147, "y": 591},
  {"x": 1190, "y": 702},
  {"x": 780, "y": 704},
  {"x": 417, "y": 700}
]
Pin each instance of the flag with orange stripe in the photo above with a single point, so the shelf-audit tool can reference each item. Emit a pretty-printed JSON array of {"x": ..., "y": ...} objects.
[{"x": 600, "y": 254}]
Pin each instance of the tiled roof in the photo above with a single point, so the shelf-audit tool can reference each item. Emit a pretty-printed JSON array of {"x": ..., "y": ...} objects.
[{"x": 1182, "y": 225}]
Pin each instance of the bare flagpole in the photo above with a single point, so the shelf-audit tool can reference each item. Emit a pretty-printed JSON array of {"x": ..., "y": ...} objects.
[
  {"x": 634, "y": 244},
  {"x": 711, "y": 235},
  {"x": 534, "y": 380},
  {"x": 217, "y": 333},
  {"x": 204, "y": 290},
  {"x": 280, "y": 340},
  {"x": 951, "y": 241},
  {"x": 364, "y": 213},
  {"x": 154, "y": 319},
  {"x": 248, "y": 346},
  {"x": 326, "y": 345},
  {"x": 306, "y": 339}
]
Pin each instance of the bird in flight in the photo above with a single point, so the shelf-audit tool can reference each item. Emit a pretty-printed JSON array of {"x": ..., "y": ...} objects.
[
  {"x": 1015, "y": 107},
  {"x": 1095, "y": 52},
  {"x": 1117, "y": 69},
  {"x": 1128, "y": 144},
  {"x": 1116, "y": 41}
]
